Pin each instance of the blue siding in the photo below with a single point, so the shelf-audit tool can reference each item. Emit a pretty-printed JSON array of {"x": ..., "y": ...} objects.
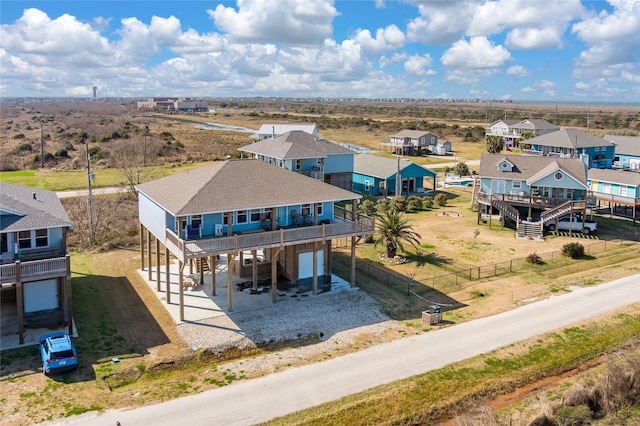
[
  {"x": 338, "y": 163},
  {"x": 152, "y": 216}
]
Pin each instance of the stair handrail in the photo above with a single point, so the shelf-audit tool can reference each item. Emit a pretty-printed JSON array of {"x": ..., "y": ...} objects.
[
  {"x": 501, "y": 205},
  {"x": 562, "y": 209}
]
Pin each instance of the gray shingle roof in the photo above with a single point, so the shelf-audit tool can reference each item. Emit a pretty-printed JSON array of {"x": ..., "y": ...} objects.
[
  {"x": 530, "y": 168},
  {"x": 614, "y": 176},
  {"x": 238, "y": 185},
  {"x": 21, "y": 211},
  {"x": 295, "y": 145},
  {"x": 568, "y": 138},
  {"x": 407, "y": 133},
  {"x": 629, "y": 145},
  {"x": 534, "y": 124},
  {"x": 381, "y": 167}
]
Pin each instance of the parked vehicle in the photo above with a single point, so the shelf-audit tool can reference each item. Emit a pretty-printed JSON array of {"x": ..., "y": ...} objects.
[
  {"x": 57, "y": 352},
  {"x": 574, "y": 224}
]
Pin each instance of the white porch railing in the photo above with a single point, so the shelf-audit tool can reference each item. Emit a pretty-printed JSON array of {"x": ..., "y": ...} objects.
[{"x": 34, "y": 270}]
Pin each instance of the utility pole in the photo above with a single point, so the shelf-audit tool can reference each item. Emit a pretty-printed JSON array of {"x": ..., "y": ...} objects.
[
  {"x": 144, "y": 158},
  {"x": 92, "y": 234},
  {"x": 41, "y": 146}
]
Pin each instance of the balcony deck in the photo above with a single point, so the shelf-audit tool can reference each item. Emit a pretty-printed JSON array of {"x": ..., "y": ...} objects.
[
  {"x": 523, "y": 200},
  {"x": 34, "y": 270},
  {"x": 216, "y": 245}
]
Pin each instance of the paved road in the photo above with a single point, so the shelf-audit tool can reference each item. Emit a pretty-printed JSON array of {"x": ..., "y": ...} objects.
[
  {"x": 252, "y": 401},
  {"x": 95, "y": 191}
]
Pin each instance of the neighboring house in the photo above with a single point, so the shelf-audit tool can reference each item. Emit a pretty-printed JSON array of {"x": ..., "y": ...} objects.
[
  {"x": 627, "y": 151},
  {"x": 272, "y": 130},
  {"x": 570, "y": 143},
  {"x": 618, "y": 189},
  {"x": 173, "y": 105},
  {"x": 511, "y": 130},
  {"x": 530, "y": 191},
  {"x": 376, "y": 175},
  {"x": 309, "y": 155},
  {"x": 410, "y": 142},
  {"x": 235, "y": 206},
  {"x": 35, "y": 271}
]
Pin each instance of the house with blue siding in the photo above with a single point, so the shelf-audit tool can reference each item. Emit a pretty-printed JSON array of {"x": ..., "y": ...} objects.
[
  {"x": 570, "y": 143},
  {"x": 35, "y": 265},
  {"x": 627, "y": 151},
  {"x": 511, "y": 130},
  {"x": 411, "y": 142},
  {"x": 306, "y": 154},
  {"x": 618, "y": 190},
  {"x": 379, "y": 176},
  {"x": 529, "y": 191},
  {"x": 245, "y": 205}
]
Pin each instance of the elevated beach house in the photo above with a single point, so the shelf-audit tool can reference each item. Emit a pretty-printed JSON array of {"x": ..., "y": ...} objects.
[
  {"x": 410, "y": 142},
  {"x": 381, "y": 176},
  {"x": 511, "y": 131},
  {"x": 35, "y": 272},
  {"x": 306, "y": 154},
  {"x": 570, "y": 143},
  {"x": 238, "y": 206},
  {"x": 619, "y": 190},
  {"x": 627, "y": 151},
  {"x": 529, "y": 192}
]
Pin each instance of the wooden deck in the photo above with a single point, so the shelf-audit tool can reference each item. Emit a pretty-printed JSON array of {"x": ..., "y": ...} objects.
[{"x": 34, "y": 270}]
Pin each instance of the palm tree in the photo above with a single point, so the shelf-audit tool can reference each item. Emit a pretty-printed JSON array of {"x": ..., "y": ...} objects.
[{"x": 393, "y": 230}]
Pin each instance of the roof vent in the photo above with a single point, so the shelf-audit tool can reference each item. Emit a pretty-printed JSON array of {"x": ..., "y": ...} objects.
[{"x": 35, "y": 197}]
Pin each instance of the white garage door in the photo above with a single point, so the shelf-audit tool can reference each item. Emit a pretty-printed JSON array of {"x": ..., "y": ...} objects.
[
  {"x": 40, "y": 296},
  {"x": 305, "y": 264}
]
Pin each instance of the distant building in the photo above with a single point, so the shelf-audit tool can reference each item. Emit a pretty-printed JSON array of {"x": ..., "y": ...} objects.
[
  {"x": 571, "y": 143},
  {"x": 627, "y": 151},
  {"x": 511, "y": 130},
  {"x": 411, "y": 142},
  {"x": 173, "y": 105}
]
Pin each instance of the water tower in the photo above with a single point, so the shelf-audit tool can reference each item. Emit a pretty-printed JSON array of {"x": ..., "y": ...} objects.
[{"x": 95, "y": 88}]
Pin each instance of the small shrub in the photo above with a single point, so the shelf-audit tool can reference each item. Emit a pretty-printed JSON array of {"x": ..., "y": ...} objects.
[
  {"x": 414, "y": 203},
  {"x": 399, "y": 203},
  {"x": 573, "y": 416},
  {"x": 382, "y": 205},
  {"x": 534, "y": 259},
  {"x": 573, "y": 250},
  {"x": 367, "y": 207},
  {"x": 427, "y": 202},
  {"x": 25, "y": 147},
  {"x": 441, "y": 200}
]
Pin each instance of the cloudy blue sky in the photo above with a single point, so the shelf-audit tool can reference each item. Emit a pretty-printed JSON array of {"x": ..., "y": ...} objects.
[{"x": 532, "y": 50}]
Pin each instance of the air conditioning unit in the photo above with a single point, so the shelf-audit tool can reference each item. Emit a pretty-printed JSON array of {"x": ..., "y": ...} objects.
[{"x": 219, "y": 230}]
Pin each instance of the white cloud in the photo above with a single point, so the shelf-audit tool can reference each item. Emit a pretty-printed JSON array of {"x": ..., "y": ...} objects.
[
  {"x": 440, "y": 22},
  {"x": 545, "y": 84},
  {"x": 386, "y": 39},
  {"x": 418, "y": 66},
  {"x": 477, "y": 53},
  {"x": 534, "y": 38},
  {"x": 527, "y": 89},
  {"x": 294, "y": 22},
  {"x": 518, "y": 71},
  {"x": 393, "y": 59}
]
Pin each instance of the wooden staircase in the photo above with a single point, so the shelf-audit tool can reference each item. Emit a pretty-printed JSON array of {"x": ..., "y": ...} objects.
[
  {"x": 562, "y": 210},
  {"x": 202, "y": 263},
  {"x": 530, "y": 230},
  {"x": 505, "y": 209}
]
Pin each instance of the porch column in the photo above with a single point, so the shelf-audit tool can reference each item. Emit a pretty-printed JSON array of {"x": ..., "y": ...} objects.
[
  {"x": 254, "y": 269},
  {"x": 275, "y": 252},
  {"x": 19, "y": 302},
  {"x": 201, "y": 263},
  {"x": 181, "y": 289},
  {"x": 167, "y": 273},
  {"x": 354, "y": 209},
  {"x": 230, "y": 257},
  {"x": 67, "y": 294},
  {"x": 274, "y": 219},
  {"x": 315, "y": 252},
  {"x": 157, "y": 264},
  {"x": 352, "y": 280},
  {"x": 141, "y": 246},
  {"x": 149, "y": 254},
  {"x": 212, "y": 264}
]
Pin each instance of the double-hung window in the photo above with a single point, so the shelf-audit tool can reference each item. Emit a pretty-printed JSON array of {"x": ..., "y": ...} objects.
[{"x": 241, "y": 216}]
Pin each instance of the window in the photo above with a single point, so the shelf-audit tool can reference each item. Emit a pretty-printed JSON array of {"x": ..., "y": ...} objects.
[
  {"x": 516, "y": 184},
  {"x": 306, "y": 209},
  {"x": 597, "y": 149},
  {"x": 606, "y": 188},
  {"x": 255, "y": 215},
  {"x": 241, "y": 216},
  {"x": 320, "y": 161},
  {"x": 42, "y": 238},
  {"x": 298, "y": 164},
  {"x": 196, "y": 221},
  {"x": 24, "y": 239},
  {"x": 225, "y": 219},
  {"x": 367, "y": 185},
  {"x": 558, "y": 176},
  {"x": 623, "y": 191}
]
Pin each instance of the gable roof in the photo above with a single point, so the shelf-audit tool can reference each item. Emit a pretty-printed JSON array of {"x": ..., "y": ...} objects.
[
  {"x": 614, "y": 176},
  {"x": 568, "y": 138},
  {"x": 629, "y": 145},
  {"x": 238, "y": 185},
  {"x": 530, "y": 168},
  {"x": 382, "y": 167},
  {"x": 25, "y": 208},
  {"x": 281, "y": 128},
  {"x": 534, "y": 124},
  {"x": 413, "y": 134},
  {"x": 295, "y": 144},
  {"x": 508, "y": 122}
]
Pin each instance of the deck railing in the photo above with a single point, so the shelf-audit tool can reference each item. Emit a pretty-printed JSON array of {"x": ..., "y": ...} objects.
[
  {"x": 34, "y": 270},
  {"x": 265, "y": 239},
  {"x": 534, "y": 200}
]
